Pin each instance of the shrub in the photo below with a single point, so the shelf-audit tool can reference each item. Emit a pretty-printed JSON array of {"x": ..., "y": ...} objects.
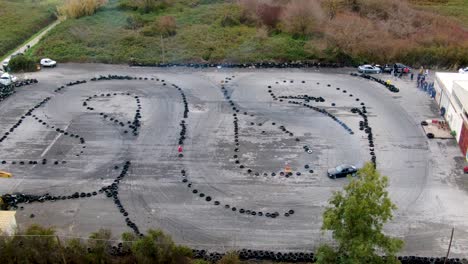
[
  {"x": 261, "y": 34},
  {"x": 167, "y": 25},
  {"x": 39, "y": 245},
  {"x": 156, "y": 247},
  {"x": 79, "y": 8},
  {"x": 164, "y": 26},
  {"x": 269, "y": 15},
  {"x": 135, "y": 21},
  {"x": 144, "y": 6},
  {"x": 99, "y": 246},
  {"x": 231, "y": 16},
  {"x": 264, "y": 13},
  {"x": 22, "y": 63},
  {"x": 300, "y": 17}
]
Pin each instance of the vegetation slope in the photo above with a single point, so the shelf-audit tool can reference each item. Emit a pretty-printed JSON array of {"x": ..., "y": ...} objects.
[
  {"x": 240, "y": 31},
  {"x": 20, "y": 19}
]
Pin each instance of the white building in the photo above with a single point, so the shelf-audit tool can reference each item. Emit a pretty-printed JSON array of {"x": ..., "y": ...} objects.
[{"x": 452, "y": 98}]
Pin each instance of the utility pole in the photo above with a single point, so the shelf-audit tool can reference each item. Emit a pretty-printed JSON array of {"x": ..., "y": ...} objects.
[
  {"x": 450, "y": 245},
  {"x": 162, "y": 47}
]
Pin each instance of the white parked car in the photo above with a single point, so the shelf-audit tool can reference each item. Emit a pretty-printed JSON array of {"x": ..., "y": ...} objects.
[
  {"x": 46, "y": 62},
  {"x": 7, "y": 79},
  {"x": 369, "y": 69},
  {"x": 463, "y": 70}
]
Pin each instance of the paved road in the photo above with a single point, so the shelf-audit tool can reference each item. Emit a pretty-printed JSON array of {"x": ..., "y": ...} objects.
[
  {"x": 34, "y": 41},
  {"x": 425, "y": 178}
]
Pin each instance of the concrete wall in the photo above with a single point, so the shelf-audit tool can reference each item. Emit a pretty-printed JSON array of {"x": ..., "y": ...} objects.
[{"x": 454, "y": 120}]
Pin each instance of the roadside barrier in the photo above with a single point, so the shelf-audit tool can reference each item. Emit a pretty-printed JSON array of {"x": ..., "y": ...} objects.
[{"x": 392, "y": 88}]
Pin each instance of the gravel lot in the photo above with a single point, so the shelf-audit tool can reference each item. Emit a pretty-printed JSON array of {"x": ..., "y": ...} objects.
[{"x": 426, "y": 180}]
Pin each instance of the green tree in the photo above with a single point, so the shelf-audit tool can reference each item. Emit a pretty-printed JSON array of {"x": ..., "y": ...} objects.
[
  {"x": 22, "y": 63},
  {"x": 75, "y": 251},
  {"x": 356, "y": 217},
  {"x": 157, "y": 247},
  {"x": 35, "y": 245},
  {"x": 99, "y": 245}
]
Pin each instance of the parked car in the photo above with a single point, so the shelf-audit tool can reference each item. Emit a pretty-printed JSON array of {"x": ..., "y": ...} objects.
[
  {"x": 46, "y": 62},
  {"x": 369, "y": 69},
  {"x": 342, "y": 171},
  {"x": 7, "y": 79},
  {"x": 401, "y": 68},
  {"x": 463, "y": 70},
  {"x": 387, "y": 68}
]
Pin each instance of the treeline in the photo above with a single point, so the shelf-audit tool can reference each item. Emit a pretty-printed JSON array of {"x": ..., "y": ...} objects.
[
  {"x": 345, "y": 31},
  {"x": 40, "y": 245},
  {"x": 349, "y": 32},
  {"x": 363, "y": 30}
]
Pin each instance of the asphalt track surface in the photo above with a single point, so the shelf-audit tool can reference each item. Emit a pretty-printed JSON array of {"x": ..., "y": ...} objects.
[{"x": 425, "y": 175}]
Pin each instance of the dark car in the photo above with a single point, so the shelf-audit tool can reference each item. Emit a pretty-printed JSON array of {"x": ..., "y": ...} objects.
[
  {"x": 401, "y": 68},
  {"x": 342, "y": 171},
  {"x": 386, "y": 68}
]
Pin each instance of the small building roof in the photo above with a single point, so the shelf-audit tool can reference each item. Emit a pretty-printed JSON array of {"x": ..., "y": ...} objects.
[
  {"x": 460, "y": 90},
  {"x": 448, "y": 78},
  {"x": 7, "y": 220}
]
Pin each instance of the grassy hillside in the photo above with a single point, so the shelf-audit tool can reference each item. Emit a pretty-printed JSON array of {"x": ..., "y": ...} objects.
[
  {"x": 20, "y": 19},
  {"x": 251, "y": 31},
  {"x": 107, "y": 37},
  {"x": 457, "y": 9}
]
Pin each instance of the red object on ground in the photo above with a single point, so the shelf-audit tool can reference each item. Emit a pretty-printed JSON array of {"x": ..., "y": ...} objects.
[
  {"x": 465, "y": 169},
  {"x": 179, "y": 149}
]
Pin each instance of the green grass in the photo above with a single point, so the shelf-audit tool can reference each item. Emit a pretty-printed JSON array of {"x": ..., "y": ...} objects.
[
  {"x": 457, "y": 9},
  {"x": 20, "y": 19},
  {"x": 200, "y": 37}
]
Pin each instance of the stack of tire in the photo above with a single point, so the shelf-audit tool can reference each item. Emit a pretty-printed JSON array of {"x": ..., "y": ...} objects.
[
  {"x": 25, "y": 82},
  {"x": 265, "y": 255},
  {"x": 5, "y": 91},
  {"x": 392, "y": 88}
]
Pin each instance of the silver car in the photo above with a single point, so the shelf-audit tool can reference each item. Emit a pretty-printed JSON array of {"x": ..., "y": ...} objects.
[{"x": 369, "y": 69}]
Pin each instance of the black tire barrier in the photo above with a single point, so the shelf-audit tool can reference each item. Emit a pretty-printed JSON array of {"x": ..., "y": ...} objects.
[
  {"x": 392, "y": 88},
  {"x": 209, "y": 198},
  {"x": 424, "y": 123},
  {"x": 364, "y": 126},
  {"x": 430, "y": 135},
  {"x": 8, "y": 90},
  {"x": 261, "y": 65},
  {"x": 111, "y": 191},
  {"x": 309, "y": 257},
  {"x": 40, "y": 121}
]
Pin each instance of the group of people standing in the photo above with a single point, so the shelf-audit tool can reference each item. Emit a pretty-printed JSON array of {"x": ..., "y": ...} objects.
[{"x": 423, "y": 82}]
